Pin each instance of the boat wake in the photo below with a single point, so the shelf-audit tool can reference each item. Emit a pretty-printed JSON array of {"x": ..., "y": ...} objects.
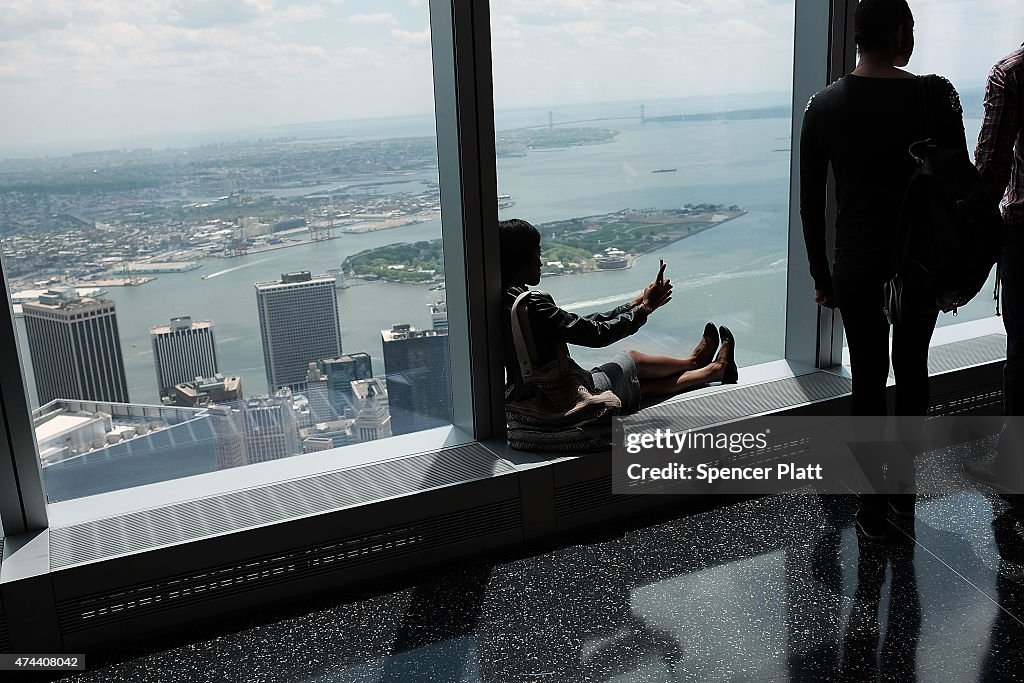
[
  {"x": 690, "y": 284},
  {"x": 231, "y": 270}
]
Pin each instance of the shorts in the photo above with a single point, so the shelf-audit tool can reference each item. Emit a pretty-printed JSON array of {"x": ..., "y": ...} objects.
[{"x": 619, "y": 376}]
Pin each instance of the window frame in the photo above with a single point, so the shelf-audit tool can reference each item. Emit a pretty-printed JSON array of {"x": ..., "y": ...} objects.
[{"x": 464, "y": 115}]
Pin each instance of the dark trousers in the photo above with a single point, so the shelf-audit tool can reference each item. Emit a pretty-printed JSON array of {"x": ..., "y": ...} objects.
[
  {"x": 867, "y": 336},
  {"x": 1011, "y": 273}
]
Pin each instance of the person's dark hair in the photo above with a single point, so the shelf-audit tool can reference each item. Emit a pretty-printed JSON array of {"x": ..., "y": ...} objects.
[
  {"x": 876, "y": 21},
  {"x": 519, "y": 241}
]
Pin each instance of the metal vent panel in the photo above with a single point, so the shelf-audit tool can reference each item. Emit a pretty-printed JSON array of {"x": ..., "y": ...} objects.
[
  {"x": 990, "y": 348},
  {"x": 963, "y": 354},
  {"x": 5, "y": 639},
  {"x": 586, "y": 495},
  {"x": 100, "y": 609},
  {"x": 984, "y": 398},
  {"x": 206, "y": 517},
  {"x": 755, "y": 399}
]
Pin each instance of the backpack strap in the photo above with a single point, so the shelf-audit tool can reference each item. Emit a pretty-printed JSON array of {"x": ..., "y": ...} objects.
[
  {"x": 924, "y": 92},
  {"x": 522, "y": 338},
  {"x": 926, "y": 87}
]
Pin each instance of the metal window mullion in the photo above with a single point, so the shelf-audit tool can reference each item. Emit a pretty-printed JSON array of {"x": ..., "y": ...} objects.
[
  {"x": 22, "y": 499},
  {"x": 823, "y": 51},
  {"x": 464, "y": 113}
]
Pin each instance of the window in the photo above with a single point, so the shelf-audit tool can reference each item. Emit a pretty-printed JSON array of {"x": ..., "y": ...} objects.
[
  {"x": 221, "y": 228},
  {"x": 630, "y": 132}
]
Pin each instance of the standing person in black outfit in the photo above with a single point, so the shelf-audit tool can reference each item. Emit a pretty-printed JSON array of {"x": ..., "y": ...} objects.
[
  {"x": 1000, "y": 159},
  {"x": 862, "y": 125}
]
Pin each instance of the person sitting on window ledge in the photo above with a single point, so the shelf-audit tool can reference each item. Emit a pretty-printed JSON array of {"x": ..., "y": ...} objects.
[{"x": 631, "y": 375}]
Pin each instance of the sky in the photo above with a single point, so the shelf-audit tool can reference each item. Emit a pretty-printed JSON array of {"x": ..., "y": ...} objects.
[{"x": 100, "y": 71}]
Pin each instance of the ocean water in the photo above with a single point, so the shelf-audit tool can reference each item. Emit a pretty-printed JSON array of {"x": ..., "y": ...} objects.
[{"x": 733, "y": 274}]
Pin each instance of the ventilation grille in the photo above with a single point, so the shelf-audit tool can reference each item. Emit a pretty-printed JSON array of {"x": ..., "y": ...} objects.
[
  {"x": 205, "y": 517},
  {"x": 5, "y": 639},
  {"x": 744, "y": 401},
  {"x": 963, "y": 354},
  {"x": 586, "y": 495},
  {"x": 188, "y": 589},
  {"x": 974, "y": 400}
]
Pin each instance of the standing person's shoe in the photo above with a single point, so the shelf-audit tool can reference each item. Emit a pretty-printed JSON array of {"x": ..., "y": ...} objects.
[
  {"x": 871, "y": 522},
  {"x": 903, "y": 505},
  {"x": 990, "y": 474},
  {"x": 732, "y": 372},
  {"x": 704, "y": 353}
]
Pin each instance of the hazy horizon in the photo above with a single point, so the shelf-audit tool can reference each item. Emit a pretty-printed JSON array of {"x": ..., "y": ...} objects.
[{"x": 91, "y": 74}]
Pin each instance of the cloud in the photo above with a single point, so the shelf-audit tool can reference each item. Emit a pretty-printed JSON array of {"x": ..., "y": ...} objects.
[
  {"x": 374, "y": 18},
  {"x": 206, "y": 13},
  {"x": 638, "y": 33},
  {"x": 411, "y": 38}
]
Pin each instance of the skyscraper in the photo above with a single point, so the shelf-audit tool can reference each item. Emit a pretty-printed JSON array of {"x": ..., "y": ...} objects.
[
  {"x": 439, "y": 315},
  {"x": 298, "y": 324},
  {"x": 75, "y": 348},
  {"x": 373, "y": 421},
  {"x": 340, "y": 373},
  {"x": 271, "y": 427},
  {"x": 228, "y": 422},
  {"x": 418, "y": 371},
  {"x": 183, "y": 351}
]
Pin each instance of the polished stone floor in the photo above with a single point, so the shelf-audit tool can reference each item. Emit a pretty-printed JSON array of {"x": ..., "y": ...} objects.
[{"x": 769, "y": 589}]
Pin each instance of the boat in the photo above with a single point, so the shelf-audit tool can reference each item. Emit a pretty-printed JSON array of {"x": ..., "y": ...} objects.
[{"x": 664, "y": 170}]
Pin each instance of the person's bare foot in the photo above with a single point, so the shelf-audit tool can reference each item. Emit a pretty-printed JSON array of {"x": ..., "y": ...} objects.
[{"x": 704, "y": 352}]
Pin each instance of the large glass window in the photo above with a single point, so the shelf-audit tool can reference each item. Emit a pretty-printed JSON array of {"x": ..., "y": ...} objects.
[
  {"x": 221, "y": 225},
  {"x": 633, "y": 132}
]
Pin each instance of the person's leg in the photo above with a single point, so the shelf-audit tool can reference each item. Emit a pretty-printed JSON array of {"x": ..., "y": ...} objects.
[
  {"x": 1011, "y": 270},
  {"x": 684, "y": 381},
  {"x": 1006, "y": 472},
  {"x": 867, "y": 336},
  {"x": 910, "y": 339},
  {"x": 1008, "y": 466},
  {"x": 659, "y": 387},
  {"x": 649, "y": 366}
]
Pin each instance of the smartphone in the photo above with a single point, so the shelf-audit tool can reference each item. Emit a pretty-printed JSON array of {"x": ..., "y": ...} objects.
[{"x": 661, "y": 272}]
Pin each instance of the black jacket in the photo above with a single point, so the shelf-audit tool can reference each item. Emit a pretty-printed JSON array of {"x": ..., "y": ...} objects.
[
  {"x": 551, "y": 325},
  {"x": 862, "y": 128}
]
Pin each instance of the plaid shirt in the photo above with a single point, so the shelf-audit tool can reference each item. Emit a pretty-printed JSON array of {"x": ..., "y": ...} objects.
[{"x": 1000, "y": 152}]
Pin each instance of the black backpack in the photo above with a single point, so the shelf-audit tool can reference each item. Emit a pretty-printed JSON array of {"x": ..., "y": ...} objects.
[{"x": 950, "y": 231}]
